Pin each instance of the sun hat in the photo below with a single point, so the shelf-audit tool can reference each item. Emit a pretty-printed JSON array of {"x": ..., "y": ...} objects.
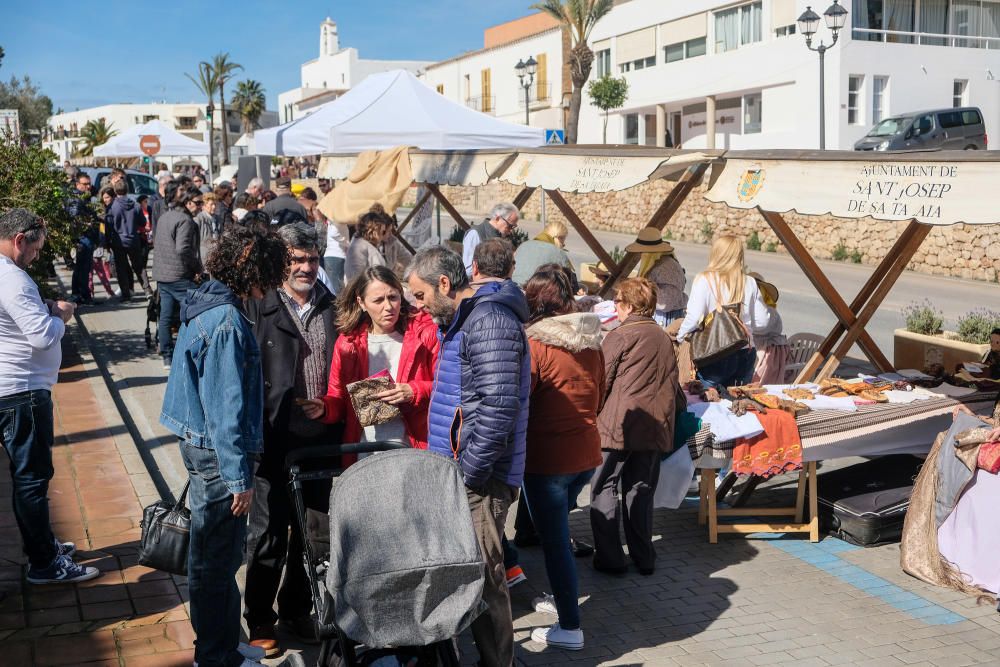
[
  {"x": 768, "y": 290},
  {"x": 650, "y": 239}
]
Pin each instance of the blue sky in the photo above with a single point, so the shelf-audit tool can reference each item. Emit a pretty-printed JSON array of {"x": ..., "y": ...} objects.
[{"x": 87, "y": 54}]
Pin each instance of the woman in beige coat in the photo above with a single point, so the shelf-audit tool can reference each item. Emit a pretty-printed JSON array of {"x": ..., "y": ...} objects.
[{"x": 636, "y": 426}]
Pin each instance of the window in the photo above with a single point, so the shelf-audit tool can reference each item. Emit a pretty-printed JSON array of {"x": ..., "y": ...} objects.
[
  {"x": 146, "y": 119},
  {"x": 958, "y": 98},
  {"x": 631, "y": 128},
  {"x": 186, "y": 122},
  {"x": 971, "y": 117},
  {"x": 440, "y": 88},
  {"x": 879, "y": 85},
  {"x": 892, "y": 15},
  {"x": 542, "y": 78},
  {"x": 785, "y": 30},
  {"x": 487, "y": 104},
  {"x": 603, "y": 58},
  {"x": 737, "y": 27},
  {"x": 641, "y": 63},
  {"x": 854, "y": 83},
  {"x": 681, "y": 50},
  {"x": 950, "y": 119},
  {"x": 751, "y": 113}
]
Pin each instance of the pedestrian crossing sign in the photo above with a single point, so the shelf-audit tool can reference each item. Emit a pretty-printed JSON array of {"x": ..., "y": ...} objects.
[{"x": 554, "y": 137}]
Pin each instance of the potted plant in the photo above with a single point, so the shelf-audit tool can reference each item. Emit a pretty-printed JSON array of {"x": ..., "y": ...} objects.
[{"x": 924, "y": 342}]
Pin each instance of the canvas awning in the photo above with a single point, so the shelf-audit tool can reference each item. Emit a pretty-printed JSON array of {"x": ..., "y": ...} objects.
[
  {"x": 469, "y": 168},
  {"x": 172, "y": 143},
  {"x": 935, "y": 188}
]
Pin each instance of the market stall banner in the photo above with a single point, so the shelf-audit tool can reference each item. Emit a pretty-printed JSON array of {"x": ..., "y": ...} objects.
[
  {"x": 578, "y": 172},
  {"x": 932, "y": 192},
  {"x": 470, "y": 168}
]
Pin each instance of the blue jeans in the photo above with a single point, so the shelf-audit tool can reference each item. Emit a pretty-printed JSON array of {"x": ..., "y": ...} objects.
[
  {"x": 26, "y": 432},
  {"x": 665, "y": 317},
  {"x": 334, "y": 267},
  {"x": 82, "y": 267},
  {"x": 550, "y": 499},
  {"x": 216, "y": 553},
  {"x": 735, "y": 369},
  {"x": 171, "y": 296}
]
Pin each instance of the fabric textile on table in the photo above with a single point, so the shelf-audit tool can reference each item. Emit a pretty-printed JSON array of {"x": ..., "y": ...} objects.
[{"x": 778, "y": 449}]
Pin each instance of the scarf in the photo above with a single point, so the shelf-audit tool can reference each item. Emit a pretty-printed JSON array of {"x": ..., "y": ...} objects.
[{"x": 649, "y": 259}]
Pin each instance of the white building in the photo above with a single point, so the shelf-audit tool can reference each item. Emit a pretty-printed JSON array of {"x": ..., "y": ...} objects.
[
  {"x": 486, "y": 80},
  {"x": 893, "y": 57},
  {"x": 334, "y": 72},
  {"x": 63, "y": 135}
]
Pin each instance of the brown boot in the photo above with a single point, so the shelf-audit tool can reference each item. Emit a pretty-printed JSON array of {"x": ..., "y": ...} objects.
[{"x": 263, "y": 637}]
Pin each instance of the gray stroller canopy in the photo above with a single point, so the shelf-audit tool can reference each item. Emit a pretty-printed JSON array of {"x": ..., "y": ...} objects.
[{"x": 405, "y": 568}]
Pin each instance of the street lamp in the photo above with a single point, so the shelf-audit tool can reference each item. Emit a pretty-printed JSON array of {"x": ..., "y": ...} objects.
[
  {"x": 526, "y": 76},
  {"x": 210, "y": 112},
  {"x": 836, "y": 17}
]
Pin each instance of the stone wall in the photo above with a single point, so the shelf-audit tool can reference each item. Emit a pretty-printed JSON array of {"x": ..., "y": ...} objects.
[{"x": 960, "y": 251}]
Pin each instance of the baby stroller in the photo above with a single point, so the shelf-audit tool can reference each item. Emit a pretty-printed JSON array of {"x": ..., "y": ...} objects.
[
  {"x": 395, "y": 569},
  {"x": 153, "y": 315}
]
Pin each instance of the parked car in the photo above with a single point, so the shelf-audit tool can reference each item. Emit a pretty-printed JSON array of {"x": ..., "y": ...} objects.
[
  {"x": 940, "y": 129},
  {"x": 139, "y": 183}
]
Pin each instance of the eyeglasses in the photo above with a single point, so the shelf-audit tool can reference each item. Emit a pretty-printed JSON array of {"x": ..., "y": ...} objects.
[
  {"x": 198, "y": 202},
  {"x": 512, "y": 225}
]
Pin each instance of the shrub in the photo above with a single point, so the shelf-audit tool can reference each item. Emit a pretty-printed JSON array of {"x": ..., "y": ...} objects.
[
  {"x": 856, "y": 256},
  {"x": 840, "y": 252},
  {"x": 922, "y": 318},
  {"x": 668, "y": 235},
  {"x": 753, "y": 241},
  {"x": 975, "y": 326},
  {"x": 771, "y": 247},
  {"x": 706, "y": 231},
  {"x": 518, "y": 236}
]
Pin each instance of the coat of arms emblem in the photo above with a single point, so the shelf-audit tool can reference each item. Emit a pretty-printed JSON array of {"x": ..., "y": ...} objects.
[{"x": 750, "y": 184}]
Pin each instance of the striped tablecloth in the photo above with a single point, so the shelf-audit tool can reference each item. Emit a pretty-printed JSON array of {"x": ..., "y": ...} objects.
[{"x": 875, "y": 429}]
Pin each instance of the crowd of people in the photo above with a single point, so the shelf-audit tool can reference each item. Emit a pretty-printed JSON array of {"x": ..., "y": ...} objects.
[{"x": 492, "y": 361}]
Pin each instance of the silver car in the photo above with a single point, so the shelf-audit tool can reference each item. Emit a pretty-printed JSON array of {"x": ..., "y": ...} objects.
[{"x": 941, "y": 129}]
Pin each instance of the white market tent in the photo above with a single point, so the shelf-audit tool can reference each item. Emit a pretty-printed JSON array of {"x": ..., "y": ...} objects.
[
  {"x": 172, "y": 143},
  {"x": 393, "y": 109}
]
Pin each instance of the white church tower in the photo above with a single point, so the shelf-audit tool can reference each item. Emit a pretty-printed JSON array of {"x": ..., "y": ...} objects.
[{"x": 329, "y": 43}]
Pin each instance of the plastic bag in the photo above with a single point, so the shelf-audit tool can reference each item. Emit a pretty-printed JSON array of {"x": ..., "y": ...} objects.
[{"x": 676, "y": 472}]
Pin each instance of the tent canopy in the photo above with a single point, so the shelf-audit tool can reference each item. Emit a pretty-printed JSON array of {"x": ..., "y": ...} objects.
[
  {"x": 172, "y": 143},
  {"x": 393, "y": 109}
]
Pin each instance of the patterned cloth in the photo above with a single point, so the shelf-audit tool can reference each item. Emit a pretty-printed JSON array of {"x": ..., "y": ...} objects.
[
  {"x": 778, "y": 449},
  {"x": 989, "y": 457}
]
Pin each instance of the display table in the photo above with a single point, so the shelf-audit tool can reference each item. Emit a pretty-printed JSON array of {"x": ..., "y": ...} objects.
[{"x": 874, "y": 430}]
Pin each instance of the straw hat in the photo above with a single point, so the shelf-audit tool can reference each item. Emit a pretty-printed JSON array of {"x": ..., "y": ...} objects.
[
  {"x": 649, "y": 240},
  {"x": 769, "y": 291}
]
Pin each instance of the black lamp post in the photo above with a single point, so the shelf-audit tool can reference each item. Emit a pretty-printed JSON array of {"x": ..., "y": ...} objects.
[
  {"x": 526, "y": 76},
  {"x": 210, "y": 111},
  {"x": 836, "y": 17}
]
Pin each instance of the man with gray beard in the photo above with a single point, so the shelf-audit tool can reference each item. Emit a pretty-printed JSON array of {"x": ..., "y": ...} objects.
[{"x": 295, "y": 328}]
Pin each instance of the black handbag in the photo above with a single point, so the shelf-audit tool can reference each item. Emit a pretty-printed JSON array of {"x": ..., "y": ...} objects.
[
  {"x": 722, "y": 334},
  {"x": 166, "y": 534}
]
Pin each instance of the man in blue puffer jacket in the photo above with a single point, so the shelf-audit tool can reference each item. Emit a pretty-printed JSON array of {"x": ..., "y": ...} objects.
[{"x": 479, "y": 405}]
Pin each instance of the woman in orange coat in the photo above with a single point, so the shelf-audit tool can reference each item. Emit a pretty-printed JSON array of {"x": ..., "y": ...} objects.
[{"x": 380, "y": 331}]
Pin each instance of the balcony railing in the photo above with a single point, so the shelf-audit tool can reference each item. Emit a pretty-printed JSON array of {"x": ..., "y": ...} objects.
[
  {"x": 536, "y": 97},
  {"x": 927, "y": 38},
  {"x": 487, "y": 104}
]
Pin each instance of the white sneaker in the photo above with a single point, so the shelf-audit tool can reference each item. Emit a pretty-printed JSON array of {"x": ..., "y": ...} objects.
[
  {"x": 545, "y": 603},
  {"x": 118, "y": 292},
  {"x": 556, "y": 636}
]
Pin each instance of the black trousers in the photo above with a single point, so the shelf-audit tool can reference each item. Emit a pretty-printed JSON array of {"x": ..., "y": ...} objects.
[
  {"x": 138, "y": 257},
  {"x": 274, "y": 544},
  {"x": 123, "y": 268},
  {"x": 624, "y": 482}
]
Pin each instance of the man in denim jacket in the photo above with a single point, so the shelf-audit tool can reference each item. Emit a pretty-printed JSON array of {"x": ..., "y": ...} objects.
[{"x": 214, "y": 404}]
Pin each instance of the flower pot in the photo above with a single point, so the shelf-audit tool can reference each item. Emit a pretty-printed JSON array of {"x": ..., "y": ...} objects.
[{"x": 914, "y": 350}]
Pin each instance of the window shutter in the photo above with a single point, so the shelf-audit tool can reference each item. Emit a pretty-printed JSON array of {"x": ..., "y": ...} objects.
[{"x": 542, "y": 77}]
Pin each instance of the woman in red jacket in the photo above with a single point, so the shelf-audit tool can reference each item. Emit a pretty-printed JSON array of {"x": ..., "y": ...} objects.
[{"x": 381, "y": 332}]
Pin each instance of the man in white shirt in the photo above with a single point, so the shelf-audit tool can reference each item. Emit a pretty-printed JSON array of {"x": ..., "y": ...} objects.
[
  {"x": 30, "y": 355},
  {"x": 501, "y": 223}
]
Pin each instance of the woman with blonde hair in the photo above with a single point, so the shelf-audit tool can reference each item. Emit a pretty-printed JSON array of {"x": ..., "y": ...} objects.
[
  {"x": 546, "y": 248},
  {"x": 725, "y": 284}
]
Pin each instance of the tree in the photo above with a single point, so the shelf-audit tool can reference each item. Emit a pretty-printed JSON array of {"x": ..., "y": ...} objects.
[
  {"x": 608, "y": 93},
  {"x": 224, "y": 71},
  {"x": 34, "y": 109},
  {"x": 1, "y": 55},
  {"x": 206, "y": 85},
  {"x": 249, "y": 102},
  {"x": 95, "y": 133},
  {"x": 578, "y": 17}
]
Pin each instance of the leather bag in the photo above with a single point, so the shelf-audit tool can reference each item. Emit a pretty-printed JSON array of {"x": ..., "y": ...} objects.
[
  {"x": 722, "y": 333},
  {"x": 166, "y": 534}
]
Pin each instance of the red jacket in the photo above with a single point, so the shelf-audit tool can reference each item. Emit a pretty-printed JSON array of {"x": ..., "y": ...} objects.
[{"x": 416, "y": 368}]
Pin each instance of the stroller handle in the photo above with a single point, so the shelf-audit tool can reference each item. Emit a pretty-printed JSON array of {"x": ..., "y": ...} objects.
[{"x": 297, "y": 456}]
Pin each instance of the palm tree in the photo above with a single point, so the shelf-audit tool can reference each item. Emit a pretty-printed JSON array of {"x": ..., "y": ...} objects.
[
  {"x": 95, "y": 133},
  {"x": 578, "y": 17},
  {"x": 249, "y": 102},
  {"x": 206, "y": 84},
  {"x": 224, "y": 71}
]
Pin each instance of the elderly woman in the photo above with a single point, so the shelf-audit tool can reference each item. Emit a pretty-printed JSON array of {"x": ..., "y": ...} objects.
[
  {"x": 658, "y": 264},
  {"x": 363, "y": 252},
  {"x": 546, "y": 248},
  {"x": 380, "y": 332},
  {"x": 636, "y": 426},
  {"x": 563, "y": 445}
]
